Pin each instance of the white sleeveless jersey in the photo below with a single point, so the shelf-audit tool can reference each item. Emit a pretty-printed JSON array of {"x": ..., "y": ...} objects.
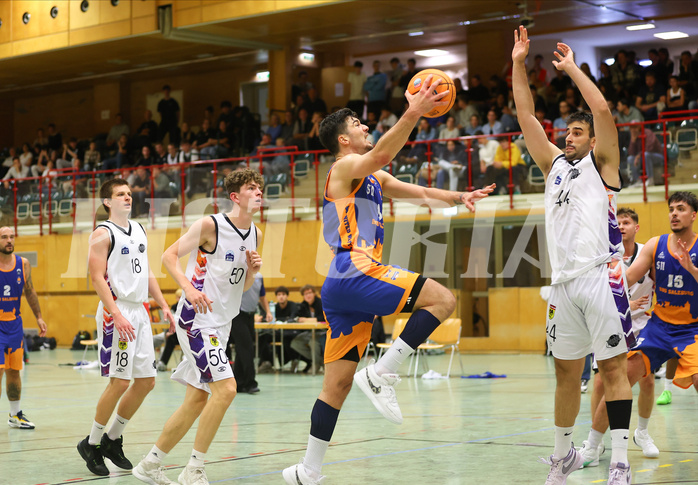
[
  {"x": 644, "y": 286},
  {"x": 580, "y": 218},
  {"x": 127, "y": 263},
  {"x": 220, "y": 275}
]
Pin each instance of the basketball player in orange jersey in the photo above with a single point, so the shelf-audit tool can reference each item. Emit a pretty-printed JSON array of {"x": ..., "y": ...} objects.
[
  {"x": 358, "y": 286},
  {"x": 15, "y": 279}
]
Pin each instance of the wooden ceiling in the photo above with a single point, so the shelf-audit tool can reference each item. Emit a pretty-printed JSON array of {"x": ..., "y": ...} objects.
[{"x": 349, "y": 28}]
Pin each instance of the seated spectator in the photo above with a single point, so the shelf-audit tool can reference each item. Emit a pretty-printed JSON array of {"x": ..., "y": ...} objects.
[
  {"x": 584, "y": 67},
  {"x": 274, "y": 129},
  {"x": 314, "y": 134},
  {"x": 301, "y": 129},
  {"x": 16, "y": 171},
  {"x": 55, "y": 140},
  {"x": 147, "y": 133},
  {"x": 186, "y": 134},
  {"x": 41, "y": 164},
  {"x": 93, "y": 157},
  {"x": 70, "y": 153},
  {"x": 280, "y": 163},
  {"x": 285, "y": 311},
  {"x": 545, "y": 123},
  {"x": 560, "y": 123},
  {"x": 41, "y": 140},
  {"x": 205, "y": 139},
  {"x": 493, "y": 125},
  {"x": 309, "y": 310},
  {"x": 386, "y": 121},
  {"x": 464, "y": 110},
  {"x": 140, "y": 191},
  {"x": 688, "y": 77},
  {"x": 260, "y": 153},
  {"x": 478, "y": 92},
  {"x": 121, "y": 157},
  {"x": 7, "y": 163},
  {"x": 448, "y": 130},
  {"x": 654, "y": 154},
  {"x": 425, "y": 132},
  {"x": 453, "y": 163},
  {"x": 115, "y": 132},
  {"x": 473, "y": 125},
  {"x": 146, "y": 159},
  {"x": 314, "y": 104},
  {"x": 159, "y": 154},
  {"x": 675, "y": 95},
  {"x": 507, "y": 155},
  {"x": 651, "y": 98},
  {"x": 163, "y": 192},
  {"x": 628, "y": 113},
  {"x": 287, "y": 128},
  {"x": 27, "y": 156}
]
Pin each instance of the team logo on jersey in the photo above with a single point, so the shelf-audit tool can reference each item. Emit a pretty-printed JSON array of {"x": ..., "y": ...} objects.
[
  {"x": 141, "y": 248},
  {"x": 551, "y": 312},
  {"x": 124, "y": 250},
  {"x": 243, "y": 248},
  {"x": 693, "y": 257},
  {"x": 558, "y": 180},
  {"x": 123, "y": 345},
  {"x": 230, "y": 256},
  {"x": 19, "y": 271},
  {"x": 613, "y": 341},
  {"x": 574, "y": 173},
  {"x": 660, "y": 255},
  {"x": 214, "y": 341},
  {"x": 19, "y": 280}
]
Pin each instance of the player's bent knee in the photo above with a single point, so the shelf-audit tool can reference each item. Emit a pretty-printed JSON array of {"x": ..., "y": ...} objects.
[
  {"x": 226, "y": 390},
  {"x": 119, "y": 385}
]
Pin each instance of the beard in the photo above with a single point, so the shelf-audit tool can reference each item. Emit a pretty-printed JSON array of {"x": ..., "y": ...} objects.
[{"x": 5, "y": 250}]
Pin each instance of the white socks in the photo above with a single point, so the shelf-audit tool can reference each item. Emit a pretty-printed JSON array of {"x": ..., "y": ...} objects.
[
  {"x": 15, "y": 408},
  {"x": 668, "y": 384},
  {"x": 96, "y": 433},
  {"x": 393, "y": 358},
  {"x": 619, "y": 446},
  {"x": 642, "y": 423},
  {"x": 315, "y": 454},
  {"x": 117, "y": 427},
  {"x": 197, "y": 459},
  {"x": 563, "y": 442},
  {"x": 595, "y": 438},
  {"x": 156, "y": 455}
]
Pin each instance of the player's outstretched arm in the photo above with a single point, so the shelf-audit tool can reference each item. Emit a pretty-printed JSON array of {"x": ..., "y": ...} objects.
[
  {"x": 418, "y": 195},
  {"x": 201, "y": 234},
  {"x": 100, "y": 241},
  {"x": 642, "y": 264},
  {"x": 32, "y": 298},
  {"x": 357, "y": 166},
  {"x": 540, "y": 148}
]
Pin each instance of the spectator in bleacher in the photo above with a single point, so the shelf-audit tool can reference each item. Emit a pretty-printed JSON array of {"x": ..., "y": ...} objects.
[
  {"x": 386, "y": 121},
  {"x": 538, "y": 100},
  {"x": 172, "y": 157},
  {"x": 301, "y": 86},
  {"x": 493, "y": 125},
  {"x": 93, "y": 157},
  {"x": 453, "y": 163},
  {"x": 665, "y": 60},
  {"x": 55, "y": 140},
  {"x": 225, "y": 115},
  {"x": 623, "y": 75},
  {"x": 159, "y": 154},
  {"x": 675, "y": 96},
  {"x": 409, "y": 74},
  {"x": 651, "y": 98},
  {"x": 473, "y": 126},
  {"x": 497, "y": 86},
  {"x": 187, "y": 153},
  {"x": 560, "y": 123},
  {"x": 161, "y": 186},
  {"x": 314, "y": 134},
  {"x": 16, "y": 171},
  {"x": 463, "y": 110},
  {"x": 478, "y": 92},
  {"x": 558, "y": 86},
  {"x": 584, "y": 67},
  {"x": 121, "y": 157},
  {"x": 396, "y": 93},
  {"x": 115, "y": 132},
  {"x": 448, "y": 130},
  {"x": 274, "y": 128},
  {"x": 7, "y": 163},
  {"x": 140, "y": 190},
  {"x": 204, "y": 138},
  {"x": 287, "y": 128},
  {"x": 356, "y": 80},
  {"x": 146, "y": 159},
  {"x": 425, "y": 132},
  {"x": 375, "y": 88},
  {"x": 314, "y": 103},
  {"x": 280, "y": 163},
  {"x": 605, "y": 82},
  {"x": 70, "y": 153},
  {"x": 208, "y": 114},
  {"x": 688, "y": 77},
  {"x": 507, "y": 155},
  {"x": 169, "y": 116},
  {"x": 41, "y": 164},
  {"x": 41, "y": 140},
  {"x": 628, "y": 113},
  {"x": 27, "y": 156},
  {"x": 186, "y": 134},
  {"x": 657, "y": 67},
  {"x": 654, "y": 154},
  {"x": 301, "y": 129},
  {"x": 507, "y": 117},
  {"x": 264, "y": 145},
  {"x": 541, "y": 72},
  {"x": 147, "y": 133},
  {"x": 218, "y": 145}
]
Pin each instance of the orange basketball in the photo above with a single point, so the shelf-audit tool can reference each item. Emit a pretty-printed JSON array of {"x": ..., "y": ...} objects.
[{"x": 446, "y": 84}]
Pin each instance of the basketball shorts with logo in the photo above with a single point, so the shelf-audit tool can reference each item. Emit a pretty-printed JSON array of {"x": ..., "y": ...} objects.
[
  {"x": 357, "y": 289},
  {"x": 588, "y": 314},
  {"x": 11, "y": 345},
  {"x": 117, "y": 356},
  {"x": 660, "y": 341},
  {"x": 204, "y": 359}
]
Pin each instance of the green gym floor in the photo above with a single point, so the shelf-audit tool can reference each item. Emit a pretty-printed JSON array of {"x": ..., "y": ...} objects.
[{"x": 455, "y": 431}]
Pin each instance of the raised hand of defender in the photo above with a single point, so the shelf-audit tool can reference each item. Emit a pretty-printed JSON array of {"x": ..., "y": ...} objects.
[
  {"x": 565, "y": 57},
  {"x": 124, "y": 327},
  {"x": 469, "y": 198},
  {"x": 427, "y": 98},
  {"x": 254, "y": 261},
  {"x": 521, "y": 43},
  {"x": 639, "y": 303},
  {"x": 200, "y": 302}
]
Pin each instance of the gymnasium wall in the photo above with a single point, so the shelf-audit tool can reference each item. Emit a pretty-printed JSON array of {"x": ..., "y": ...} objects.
[{"x": 294, "y": 255}]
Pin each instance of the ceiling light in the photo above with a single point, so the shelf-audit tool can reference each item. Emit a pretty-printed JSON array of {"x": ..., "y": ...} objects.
[
  {"x": 640, "y": 27},
  {"x": 645, "y": 63},
  {"x": 610, "y": 61},
  {"x": 431, "y": 52},
  {"x": 674, "y": 34},
  {"x": 415, "y": 34}
]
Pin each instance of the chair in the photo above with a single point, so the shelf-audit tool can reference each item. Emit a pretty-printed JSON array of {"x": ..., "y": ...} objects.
[
  {"x": 446, "y": 335},
  {"x": 35, "y": 209},
  {"x": 23, "y": 210},
  {"x": 535, "y": 175},
  {"x": 405, "y": 177},
  {"x": 301, "y": 167},
  {"x": 398, "y": 327},
  {"x": 660, "y": 136},
  {"x": 273, "y": 191},
  {"x": 687, "y": 139}
]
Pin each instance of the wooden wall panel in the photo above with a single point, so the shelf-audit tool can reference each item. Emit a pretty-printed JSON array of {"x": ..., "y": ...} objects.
[
  {"x": 144, "y": 8},
  {"x": 32, "y": 29},
  {"x": 109, "y": 13},
  {"x": 90, "y": 18},
  {"x": 38, "y": 44},
  {"x": 106, "y": 98},
  {"x": 7, "y": 21},
  {"x": 100, "y": 32},
  {"x": 532, "y": 319},
  {"x": 48, "y": 25}
]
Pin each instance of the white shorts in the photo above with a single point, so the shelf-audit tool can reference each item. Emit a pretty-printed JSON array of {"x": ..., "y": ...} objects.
[
  {"x": 120, "y": 358},
  {"x": 583, "y": 317},
  {"x": 204, "y": 358}
]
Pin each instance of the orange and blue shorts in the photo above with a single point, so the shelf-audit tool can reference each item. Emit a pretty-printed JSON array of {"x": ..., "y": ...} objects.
[
  {"x": 356, "y": 290},
  {"x": 11, "y": 345},
  {"x": 660, "y": 341}
]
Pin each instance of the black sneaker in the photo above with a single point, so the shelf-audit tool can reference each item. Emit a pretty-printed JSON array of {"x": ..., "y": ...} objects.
[
  {"x": 114, "y": 450},
  {"x": 93, "y": 458}
]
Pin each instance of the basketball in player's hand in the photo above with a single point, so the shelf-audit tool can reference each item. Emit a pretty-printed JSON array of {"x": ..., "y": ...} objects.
[{"x": 446, "y": 84}]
